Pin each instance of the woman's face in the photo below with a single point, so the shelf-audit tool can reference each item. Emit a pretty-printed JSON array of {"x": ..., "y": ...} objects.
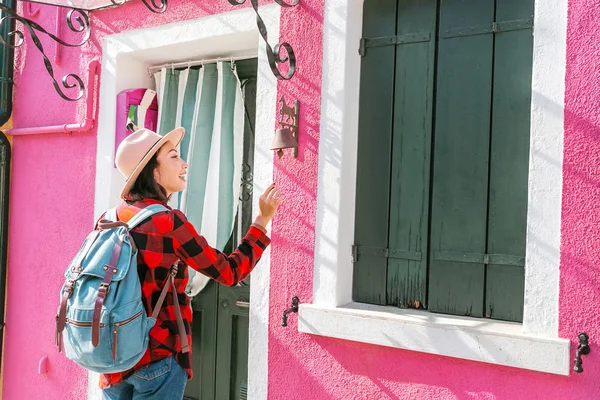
[{"x": 171, "y": 170}]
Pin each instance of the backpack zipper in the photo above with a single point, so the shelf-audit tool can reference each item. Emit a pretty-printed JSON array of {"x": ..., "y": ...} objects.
[
  {"x": 116, "y": 330},
  {"x": 81, "y": 324}
]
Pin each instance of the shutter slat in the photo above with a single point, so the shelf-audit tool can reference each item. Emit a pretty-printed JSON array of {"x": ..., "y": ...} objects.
[
  {"x": 374, "y": 150},
  {"x": 411, "y": 153},
  {"x": 509, "y": 162},
  {"x": 461, "y": 152}
]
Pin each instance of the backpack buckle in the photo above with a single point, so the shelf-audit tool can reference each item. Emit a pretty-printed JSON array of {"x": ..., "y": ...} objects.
[
  {"x": 106, "y": 287},
  {"x": 76, "y": 271},
  {"x": 69, "y": 286},
  {"x": 175, "y": 269}
]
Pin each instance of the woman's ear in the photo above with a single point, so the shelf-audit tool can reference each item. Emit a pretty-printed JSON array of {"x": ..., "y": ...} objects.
[{"x": 156, "y": 175}]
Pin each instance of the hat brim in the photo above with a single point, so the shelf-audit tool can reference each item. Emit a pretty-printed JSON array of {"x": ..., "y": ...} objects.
[{"x": 174, "y": 137}]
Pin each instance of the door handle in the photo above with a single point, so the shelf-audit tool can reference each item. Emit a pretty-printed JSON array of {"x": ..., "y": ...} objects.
[{"x": 242, "y": 304}]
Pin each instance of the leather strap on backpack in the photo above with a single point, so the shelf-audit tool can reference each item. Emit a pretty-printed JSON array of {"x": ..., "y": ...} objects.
[
  {"x": 183, "y": 339},
  {"x": 103, "y": 291},
  {"x": 61, "y": 318}
]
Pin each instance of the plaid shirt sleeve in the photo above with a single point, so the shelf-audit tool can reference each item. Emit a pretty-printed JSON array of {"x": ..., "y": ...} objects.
[{"x": 227, "y": 270}]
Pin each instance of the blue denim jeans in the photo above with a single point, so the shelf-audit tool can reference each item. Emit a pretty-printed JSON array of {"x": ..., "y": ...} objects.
[{"x": 164, "y": 379}]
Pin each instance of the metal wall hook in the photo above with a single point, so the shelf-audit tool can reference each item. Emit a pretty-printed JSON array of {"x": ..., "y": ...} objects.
[
  {"x": 582, "y": 350},
  {"x": 292, "y": 309}
]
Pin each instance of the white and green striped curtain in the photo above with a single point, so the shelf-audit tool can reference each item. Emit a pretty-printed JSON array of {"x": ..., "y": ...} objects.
[{"x": 208, "y": 103}]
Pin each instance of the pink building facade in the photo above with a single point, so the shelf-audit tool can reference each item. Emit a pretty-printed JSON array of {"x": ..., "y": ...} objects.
[{"x": 333, "y": 348}]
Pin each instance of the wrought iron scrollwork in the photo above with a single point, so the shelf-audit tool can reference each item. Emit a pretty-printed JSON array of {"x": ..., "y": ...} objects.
[
  {"x": 77, "y": 20},
  {"x": 156, "y": 6},
  {"x": 284, "y": 4},
  {"x": 247, "y": 184},
  {"x": 274, "y": 53}
]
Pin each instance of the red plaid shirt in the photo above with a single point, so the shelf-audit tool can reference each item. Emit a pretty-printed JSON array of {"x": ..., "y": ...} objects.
[{"x": 162, "y": 240}]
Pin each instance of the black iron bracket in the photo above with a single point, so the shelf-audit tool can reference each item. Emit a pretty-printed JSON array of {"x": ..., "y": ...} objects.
[
  {"x": 495, "y": 27},
  {"x": 400, "y": 254},
  {"x": 408, "y": 38},
  {"x": 292, "y": 309},
  {"x": 582, "y": 350},
  {"x": 77, "y": 20},
  {"x": 274, "y": 53}
]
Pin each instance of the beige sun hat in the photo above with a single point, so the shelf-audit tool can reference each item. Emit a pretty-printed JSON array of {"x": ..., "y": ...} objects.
[{"x": 137, "y": 149}]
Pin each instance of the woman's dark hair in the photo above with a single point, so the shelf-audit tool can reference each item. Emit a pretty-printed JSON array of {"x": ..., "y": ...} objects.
[{"x": 146, "y": 187}]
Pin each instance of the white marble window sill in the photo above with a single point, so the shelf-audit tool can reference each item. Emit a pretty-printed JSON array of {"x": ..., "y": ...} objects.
[{"x": 495, "y": 342}]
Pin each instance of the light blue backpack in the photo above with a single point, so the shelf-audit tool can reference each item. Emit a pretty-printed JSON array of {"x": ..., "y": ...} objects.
[{"x": 101, "y": 317}]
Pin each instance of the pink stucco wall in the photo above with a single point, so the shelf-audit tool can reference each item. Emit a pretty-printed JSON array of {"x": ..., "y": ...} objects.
[
  {"x": 52, "y": 198},
  {"x": 316, "y": 368},
  {"x": 52, "y": 205}
]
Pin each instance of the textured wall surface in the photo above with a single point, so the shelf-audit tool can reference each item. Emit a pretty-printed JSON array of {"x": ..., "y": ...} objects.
[
  {"x": 580, "y": 249},
  {"x": 52, "y": 196},
  {"x": 292, "y": 255},
  {"x": 305, "y": 367},
  {"x": 52, "y": 205}
]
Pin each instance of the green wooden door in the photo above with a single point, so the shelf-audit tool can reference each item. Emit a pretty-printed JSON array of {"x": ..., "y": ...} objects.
[
  {"x": 220, "y": 343},
  {"x": 220, "y": 325},
  {"x": 204, "y": 344},
  {"x": 232, "y": 343}
]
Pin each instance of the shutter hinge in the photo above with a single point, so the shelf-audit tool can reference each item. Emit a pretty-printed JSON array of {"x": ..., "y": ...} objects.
[
  {"x": 408, "y": 38},
  {"x": 399, "y": 254},
  {"x": 495, "y": 27},
  {"x": 479, "y": 258}
]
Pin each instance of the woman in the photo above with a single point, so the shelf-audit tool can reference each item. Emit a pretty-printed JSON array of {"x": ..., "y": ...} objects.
[{"x": 154, "y": 171}]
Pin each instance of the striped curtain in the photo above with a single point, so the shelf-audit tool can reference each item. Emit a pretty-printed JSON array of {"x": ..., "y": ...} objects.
[{"x": 208, "y": 103}]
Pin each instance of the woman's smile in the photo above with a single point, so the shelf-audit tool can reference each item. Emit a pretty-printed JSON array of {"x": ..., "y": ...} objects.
[{"x": 172, "y": 170}]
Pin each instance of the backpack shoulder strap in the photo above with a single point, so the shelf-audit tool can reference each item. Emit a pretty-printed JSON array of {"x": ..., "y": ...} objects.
[
  {"x": 111, "y": 214},
  {"x": 183, "y": 340},
  {"x": 144, "y": 214}
]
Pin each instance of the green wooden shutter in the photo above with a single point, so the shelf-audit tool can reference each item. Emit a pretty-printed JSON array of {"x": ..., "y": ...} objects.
[
  {"x": 473, "y": 209},
  {"x": 461, "y": 156},
  {"x": 374, "y": 143},
  {"x": 479, "y": 200},
  {"x": 509, "y": 160},
  {"x": 411, "y": 148}
]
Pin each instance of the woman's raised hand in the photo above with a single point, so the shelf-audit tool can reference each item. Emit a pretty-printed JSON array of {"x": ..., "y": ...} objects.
[{"x": 268, "y": 203}]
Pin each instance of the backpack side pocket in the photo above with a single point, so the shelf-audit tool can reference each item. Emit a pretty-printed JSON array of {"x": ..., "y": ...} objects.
[{"x": 129, "y": 336}]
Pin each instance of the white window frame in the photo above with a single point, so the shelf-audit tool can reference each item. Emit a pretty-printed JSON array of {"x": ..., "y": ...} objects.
[
  {"x": 126, "y": 57},
  {"x": 532, "y": 345}
]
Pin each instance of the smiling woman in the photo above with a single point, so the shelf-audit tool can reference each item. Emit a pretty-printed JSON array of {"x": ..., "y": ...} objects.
[
  {"x": 136, "y": 159},
  {"x": 154, "y": 171}
]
